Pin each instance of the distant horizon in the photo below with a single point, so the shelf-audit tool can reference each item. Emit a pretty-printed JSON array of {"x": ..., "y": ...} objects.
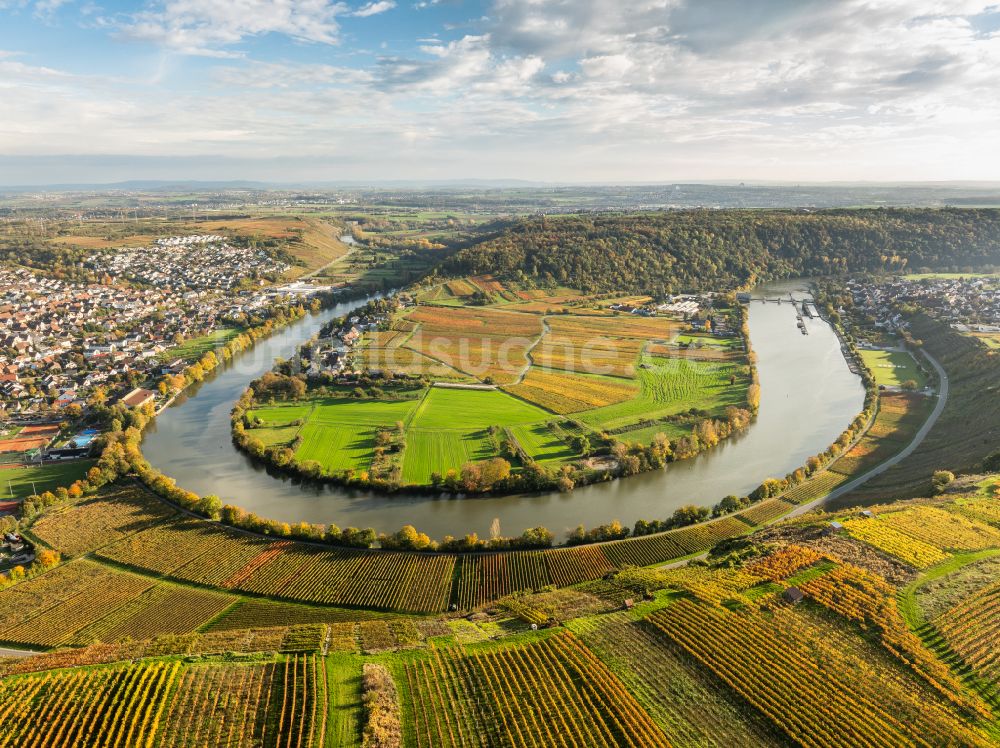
[{"x": 485, "y": 182}]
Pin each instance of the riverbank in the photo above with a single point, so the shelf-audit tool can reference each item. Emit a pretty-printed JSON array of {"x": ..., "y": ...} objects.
[{"x": 190, "y": 442}]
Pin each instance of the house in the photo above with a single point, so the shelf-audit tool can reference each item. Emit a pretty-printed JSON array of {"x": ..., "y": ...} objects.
[
  {"x": 138, "y": 398},
  {"x": 793, "y": 595}
]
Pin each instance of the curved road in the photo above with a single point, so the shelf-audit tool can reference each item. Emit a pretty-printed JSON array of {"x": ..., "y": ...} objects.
[
  {"x": 895, "y": 459},
  {"x": 862, "y": 479}
]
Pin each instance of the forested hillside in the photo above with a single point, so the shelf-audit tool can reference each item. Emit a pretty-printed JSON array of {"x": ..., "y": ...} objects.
[{"x": 668, "y": 252}]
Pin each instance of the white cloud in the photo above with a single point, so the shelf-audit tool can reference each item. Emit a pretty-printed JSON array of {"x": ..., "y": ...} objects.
[
  {"x": 374, "y": 8},
  {"x": 556, "y": 89},
  {"x": 208, "y": 27}
]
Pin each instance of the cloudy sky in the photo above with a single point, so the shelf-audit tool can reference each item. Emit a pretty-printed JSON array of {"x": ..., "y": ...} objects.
[{"x": 551, "y": 90}]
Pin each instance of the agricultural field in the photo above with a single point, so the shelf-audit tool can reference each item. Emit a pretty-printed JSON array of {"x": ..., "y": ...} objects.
[
  {"x": 898, "y": 419},
  {"x": 972, "y": 629},
  {"x": 806, "y": 685},
  {"x": 684, "y": 701},
  {"x": 923, "y": 536},
  {"x": 893, "y": 368},
  {"x": 816, "y": 487},
  {"x": 704, "y": 655},
  {"x": 121, "y": 704},
  {"x": 335, "y": 446},
  {"x": 82, "y": 602},
  {"x": 279, "y": 703},
  {"x": 544, "y": 444},
  {"x": 460, "y": 409},
  {"x": 312, "y": 241},
  {"x": 432, "y": 451},
  {"x": 989, "y": 339},
  {"x": 670, "y": 386},
  {"x": 526, "y": 364}
]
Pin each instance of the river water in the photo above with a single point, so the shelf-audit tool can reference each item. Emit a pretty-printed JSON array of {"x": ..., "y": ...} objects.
[{"x": 808, "y": 396}]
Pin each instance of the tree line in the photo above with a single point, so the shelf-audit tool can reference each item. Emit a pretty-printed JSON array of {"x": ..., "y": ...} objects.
[{"x": 675, "y": 251}]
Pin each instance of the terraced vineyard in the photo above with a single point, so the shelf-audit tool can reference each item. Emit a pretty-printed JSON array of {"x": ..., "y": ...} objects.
[{"x": 706, "y": 655}]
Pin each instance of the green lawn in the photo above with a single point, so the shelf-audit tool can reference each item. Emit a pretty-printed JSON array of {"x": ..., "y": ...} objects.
[
  {"x": 192, "y": 350},
  {"x": 892, "y": 368},
  {"x": 468, "y": 410},
  {"x": 437, "y": 451},
  {"x": 276, "y": 435},
  {"x": 16, "y": 483}
]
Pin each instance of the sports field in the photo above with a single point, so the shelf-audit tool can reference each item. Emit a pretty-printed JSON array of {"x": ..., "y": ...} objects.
[
  {"x": 20, "y": 482},
  {"x": 892, "y": 368}
]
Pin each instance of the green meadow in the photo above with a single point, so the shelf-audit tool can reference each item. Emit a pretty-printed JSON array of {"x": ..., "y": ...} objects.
[{"x": 892, "y": 368}]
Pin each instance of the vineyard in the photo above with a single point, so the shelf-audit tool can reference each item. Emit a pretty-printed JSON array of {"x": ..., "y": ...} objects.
[
  {"x": 972, "y": 629},
  {"x": 81, "y": 602},
  {"x": 686, "y": 704},
  {"x": 764, "y": 511},
  {"x": 80, "y": 528},
  {"x": 816, "y": 487},
  {"x": 711, "y": 654},
  {"x": 784, "y": 562},
  {"x": 815, "y": 694},
  {"x": 898, "y": 419},
  {"x": 544, "y": 693},
  {"x": 924, "y": 535},
  {"x": 870, "y": 601},
  {"x": 279, "y": 704},
  {"x": 562, "y": 392},
  {"x": 194, "y": 551},
  {"x": 886, "y": 538},
  {"x": 109, "y": 706}
]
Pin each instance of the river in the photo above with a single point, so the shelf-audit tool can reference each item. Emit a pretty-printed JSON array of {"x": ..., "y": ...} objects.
[{"x": 808, "y": 396}]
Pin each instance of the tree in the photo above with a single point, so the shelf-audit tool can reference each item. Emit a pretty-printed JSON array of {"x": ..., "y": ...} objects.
[
  {"x": 210, "y": 506},
  {"x": 941, "y": 479}
]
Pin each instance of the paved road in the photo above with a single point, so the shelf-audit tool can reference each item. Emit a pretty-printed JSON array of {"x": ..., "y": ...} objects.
[
  {"x": 5, "y": 652},
  {"x": 896, "y": 459},
  {"x": 860, "y": 480}
]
